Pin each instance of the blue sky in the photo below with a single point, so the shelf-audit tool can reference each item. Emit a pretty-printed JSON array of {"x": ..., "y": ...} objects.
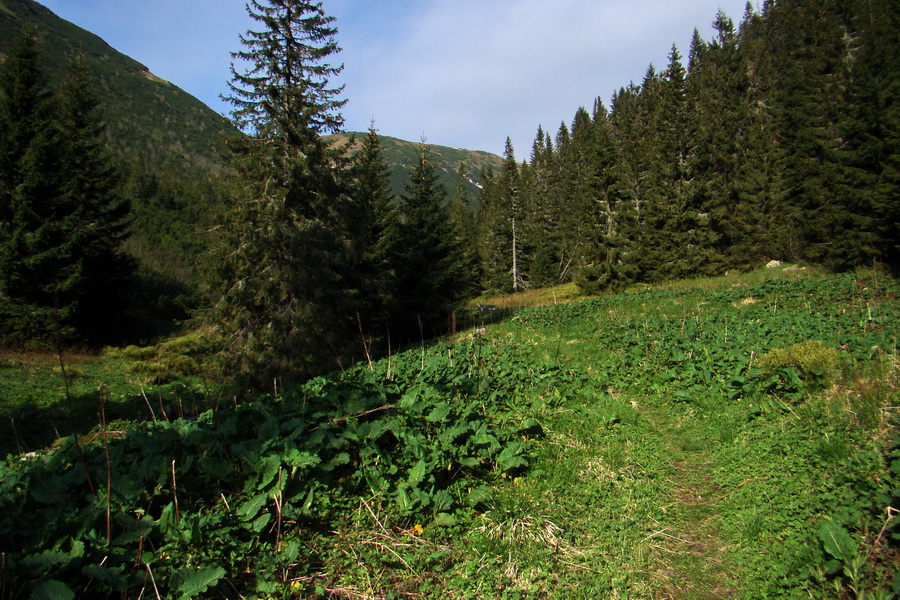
[{"x": 462, "y": 73}]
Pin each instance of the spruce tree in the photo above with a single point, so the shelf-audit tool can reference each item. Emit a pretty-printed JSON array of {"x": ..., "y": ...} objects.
[
  {"x": 465, "y": 234},
  {"x": 499, "y": 234},
  {"x": 99, "y": 223},
  {"x": 609, "y": 263},
  {"x": 719, "y": 122},
  {"x": 372, "y": 235},
  {"x": 431, "y": 277},
  {"x": 541, "y": 213},
  {"x": 30, "y": 197},
  {"x": 285, "y": 309},
  {"x": 870, "y": 154},
  {"x": 62, "y": 273},
  {"x": 807, "y": 37}
]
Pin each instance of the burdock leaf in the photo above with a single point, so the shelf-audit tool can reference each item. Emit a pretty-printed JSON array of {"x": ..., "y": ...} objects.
[{"x": 837, "y": 541}]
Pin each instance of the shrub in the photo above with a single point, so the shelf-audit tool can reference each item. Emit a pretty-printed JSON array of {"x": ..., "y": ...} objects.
[{"x": 798, "y": 370}]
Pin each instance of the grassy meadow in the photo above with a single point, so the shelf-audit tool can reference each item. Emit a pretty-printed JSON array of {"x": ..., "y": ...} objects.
[{"x": 718, "y": 438}]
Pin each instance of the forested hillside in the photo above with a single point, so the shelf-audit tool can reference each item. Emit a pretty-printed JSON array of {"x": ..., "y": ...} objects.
[
  {"x": 150, "y": 120},
  {"x": 777, "y": 139},
  {"x": 165, "y": 146},
  {"x": 401, "y": 157}
]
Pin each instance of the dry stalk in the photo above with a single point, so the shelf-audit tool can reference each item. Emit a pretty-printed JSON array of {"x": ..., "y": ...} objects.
[
  {"x": 891, "y": 515},
  {"x": 349, "y": 593},
  {"x": 524, "y": 530},
  {"x": 153, "y": 581},
  {"x": 162, "y": 409},
  {"x": 108, "y": 464},
  {"x": 358, "y": 415},
  {"x": 12, "y": 422},
  {"x": 175, "y": 495},
  {"x": 364, "y": 343},
  {"x": 279, "y": 499}
]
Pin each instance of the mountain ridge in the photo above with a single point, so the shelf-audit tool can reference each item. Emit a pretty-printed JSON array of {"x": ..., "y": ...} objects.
[
  {"x": 402, "y": 155},
  {"x": 148, "y": 118},
  {"x": 153, "y": 121}
]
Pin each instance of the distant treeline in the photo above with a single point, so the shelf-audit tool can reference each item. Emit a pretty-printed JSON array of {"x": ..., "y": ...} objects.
[{"x": 779, "y": 139}]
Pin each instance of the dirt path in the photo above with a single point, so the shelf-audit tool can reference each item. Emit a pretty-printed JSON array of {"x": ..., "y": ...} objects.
[{"x": 689, "y": 549}]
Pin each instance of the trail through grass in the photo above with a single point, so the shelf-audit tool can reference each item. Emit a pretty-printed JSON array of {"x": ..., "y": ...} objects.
[
  {"x": 684, "y": 469},
  {"x": 723, "y": 439},
  {"x": 691, "y": 550}
]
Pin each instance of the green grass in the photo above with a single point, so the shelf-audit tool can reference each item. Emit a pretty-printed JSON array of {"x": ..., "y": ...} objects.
[
  {"x": 682, "y": 442},
  {"x": 36, "y": 408}
]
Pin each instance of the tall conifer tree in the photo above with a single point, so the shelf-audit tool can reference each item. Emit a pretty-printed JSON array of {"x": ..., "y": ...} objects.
[
  {"x": 99, "y": 222},
  {"x": 373, "y": 233},
  {"x": 62, "y": 274},
  {"x": 431, "y": 277},
  {"x": 30, "y": 198},
  {"x": 284, "y": 309},
  {"x": 500, "y": 235},
  {"x": 462, "y": 219}
]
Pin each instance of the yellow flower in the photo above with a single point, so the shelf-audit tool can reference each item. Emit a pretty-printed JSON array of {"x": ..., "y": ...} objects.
[
  {"x": 296, "y": 585},
  {"x": 418, "y": 529}
]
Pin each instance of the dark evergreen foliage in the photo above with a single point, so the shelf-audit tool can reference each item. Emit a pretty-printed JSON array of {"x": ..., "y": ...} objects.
[
  {"x": 373, "y": 233},
  {"x": 462, "y": 215},
  {"x": 777, "y": 141},
  {"x": 63, "y": 278},
  {"x": 500, "y": 228},
  {"x": 430, "y": 268},
  {"x": 285, "y": 307}
]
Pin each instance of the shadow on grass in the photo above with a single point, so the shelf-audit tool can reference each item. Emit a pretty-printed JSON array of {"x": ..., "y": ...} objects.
[{"x": 29, "y": 425}]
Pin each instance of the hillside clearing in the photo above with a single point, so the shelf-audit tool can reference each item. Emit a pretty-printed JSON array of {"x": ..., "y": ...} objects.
[{"x": 677, "y": 443}]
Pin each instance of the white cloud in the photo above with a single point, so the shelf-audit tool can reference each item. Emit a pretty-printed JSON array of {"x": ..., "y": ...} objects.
[
  {"x": 470, "y": 72},
  {"x": 466, "y": 73}
]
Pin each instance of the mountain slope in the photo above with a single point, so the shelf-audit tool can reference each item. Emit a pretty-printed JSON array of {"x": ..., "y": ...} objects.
[
  {"x": 401, "y": 157},
  {"x": 149, "y": 119}
]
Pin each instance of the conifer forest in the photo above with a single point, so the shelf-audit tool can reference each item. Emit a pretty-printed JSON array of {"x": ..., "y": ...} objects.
[{"x": 654, "y": 355}]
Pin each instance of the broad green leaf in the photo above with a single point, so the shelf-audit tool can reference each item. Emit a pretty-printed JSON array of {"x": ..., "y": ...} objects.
[
  {"x": 297, "y": 459},
  {"x": 444, "y": 520},
  {"x": 442, "y": 500},
  {"x": 267, "y": 469},
  {"x": 46, "y": 560},
  {"x": 339, "y": 460},
  {"x": 478, "y": 495},
  {"x": 376, "y": 482},
  {"x": 403, "y": 499},
  {"x": 197, "y": 582},
  {"x": 509, "y": 458},
  {"x": 439, "y": 413},
  {"x": 836, "y": 541},
  {"x": 417, "y": 473},
  {"x": 307, "y": 503},
  {"x": 260, "y": 522},
  {"x": 167, "y": 518},
  {"x": 411, "y": 397},
  {"x": 251, "y": 507},
  {"x": 52, "y": 590}
]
